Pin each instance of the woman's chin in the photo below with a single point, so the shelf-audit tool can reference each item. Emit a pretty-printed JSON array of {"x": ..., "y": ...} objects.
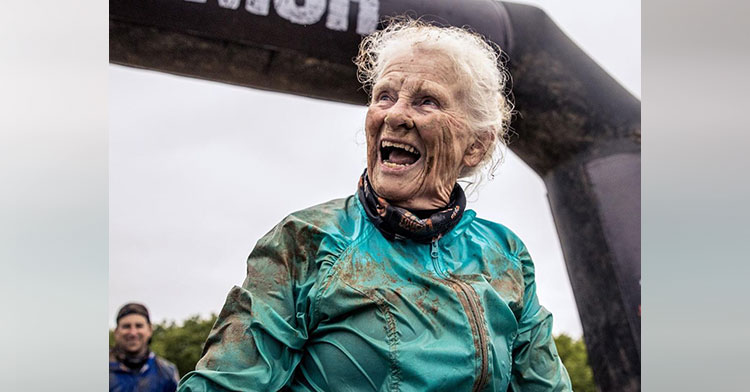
[
  {"x": 393, "y": 191},
  {"x": 405, "y": 196}
]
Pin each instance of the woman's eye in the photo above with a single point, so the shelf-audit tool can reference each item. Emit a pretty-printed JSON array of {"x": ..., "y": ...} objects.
[
  {"x": 384, "y": 97},
  {"x": 429, "y": 102}
]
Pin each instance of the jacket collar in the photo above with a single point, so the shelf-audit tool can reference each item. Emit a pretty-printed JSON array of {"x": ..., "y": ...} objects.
[{"x": 456, "y": 231}]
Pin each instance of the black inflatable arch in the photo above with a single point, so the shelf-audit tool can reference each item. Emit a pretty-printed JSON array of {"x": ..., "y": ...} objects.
[{"x": 577, "y": 127}]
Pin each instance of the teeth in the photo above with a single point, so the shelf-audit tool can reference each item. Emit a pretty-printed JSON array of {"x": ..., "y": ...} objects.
[
  {"x": 391, "y": 164},
  {"x": 387, "y": 143}
]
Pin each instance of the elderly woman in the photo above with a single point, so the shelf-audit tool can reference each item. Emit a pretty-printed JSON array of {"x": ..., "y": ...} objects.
[{"x": 399, "y": 287}]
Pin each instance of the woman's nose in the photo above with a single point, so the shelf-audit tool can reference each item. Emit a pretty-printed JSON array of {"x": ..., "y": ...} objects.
[{"x": 399, "y": 117}]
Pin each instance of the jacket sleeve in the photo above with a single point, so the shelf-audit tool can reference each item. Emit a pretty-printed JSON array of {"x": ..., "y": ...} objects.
[
  {"x": 536, "y": 364},
  {"x": 258, "y": 338},
  {"x": 169, "y": 373}
]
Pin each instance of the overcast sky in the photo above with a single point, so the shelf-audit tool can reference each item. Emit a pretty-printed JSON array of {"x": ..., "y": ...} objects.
[{"x": 199, "y": 171}]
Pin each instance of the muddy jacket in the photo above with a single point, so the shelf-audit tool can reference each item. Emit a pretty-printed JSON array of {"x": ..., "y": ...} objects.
[
  {"x": 156, "y": 375},
  {"x": 329, "y": 304}
]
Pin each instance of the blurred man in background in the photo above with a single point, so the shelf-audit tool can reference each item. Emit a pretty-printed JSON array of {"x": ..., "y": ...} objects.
[{"x": 132, "y": 366}]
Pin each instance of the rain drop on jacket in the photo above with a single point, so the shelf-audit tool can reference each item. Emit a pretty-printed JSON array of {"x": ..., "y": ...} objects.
[{"x": 329, "y": 304}]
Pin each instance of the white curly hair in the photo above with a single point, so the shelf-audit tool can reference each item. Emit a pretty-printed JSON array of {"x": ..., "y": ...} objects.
[{"x": 477, "y": 60}]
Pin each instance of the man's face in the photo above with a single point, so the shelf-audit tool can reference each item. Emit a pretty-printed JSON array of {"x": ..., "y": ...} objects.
[
  {"x": 417, "y": 137},
  {"x": 132, "y": 333}
]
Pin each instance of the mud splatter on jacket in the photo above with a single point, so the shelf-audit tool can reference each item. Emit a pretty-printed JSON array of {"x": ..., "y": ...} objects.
[
  {"x": 156, "y": 375},
  {"x": 329, "y": 304}
]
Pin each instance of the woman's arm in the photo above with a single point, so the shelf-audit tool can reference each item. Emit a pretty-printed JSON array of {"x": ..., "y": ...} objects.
[
  {"x": 258, "y": 338},
  {"x": 536, "y": 364}
]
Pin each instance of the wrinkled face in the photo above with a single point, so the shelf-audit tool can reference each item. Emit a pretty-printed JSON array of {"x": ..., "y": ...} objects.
[
  {"x": 417, "y": 137},
  {"x": 132, "y": 333}
]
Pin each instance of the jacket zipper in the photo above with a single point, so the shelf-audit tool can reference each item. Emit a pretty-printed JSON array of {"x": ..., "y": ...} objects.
[
  {"x": 474, "y": 314},
  {"x": 435, "y": 260},
  {"x": 472, "y": 308}
]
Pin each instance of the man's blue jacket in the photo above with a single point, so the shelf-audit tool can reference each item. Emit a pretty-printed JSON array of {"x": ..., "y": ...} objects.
[{"x": 156, "y": 375}]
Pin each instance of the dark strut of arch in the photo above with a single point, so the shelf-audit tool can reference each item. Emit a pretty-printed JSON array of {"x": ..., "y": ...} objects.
[{"x": 577, "y": 127}]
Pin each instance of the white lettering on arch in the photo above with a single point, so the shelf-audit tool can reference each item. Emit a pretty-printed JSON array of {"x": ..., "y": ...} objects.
[
  {"x": 258, "y": 7},
  {"x": 367, "y": 20},
  {"x": 233, "y": 4},
  {"x": 338, "y": 15},
  {"x": 307, "y": 14},
  {"x": 367, "y": 17},
  {"x": 311, "y": 11}
]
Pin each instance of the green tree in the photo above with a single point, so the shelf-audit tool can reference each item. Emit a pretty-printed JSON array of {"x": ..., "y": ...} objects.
[
  {"x": 573, "y": 354},
  {"x": 182, "y": 344}
]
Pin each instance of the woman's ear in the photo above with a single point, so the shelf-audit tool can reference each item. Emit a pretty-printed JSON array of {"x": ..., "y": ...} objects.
[{"x": 477, "y": 150}]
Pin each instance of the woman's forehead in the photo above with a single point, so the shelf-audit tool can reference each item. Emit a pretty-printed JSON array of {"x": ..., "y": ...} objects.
[
  {"x": 419, "y": 59},
  {"x": 425, "y": 69}
]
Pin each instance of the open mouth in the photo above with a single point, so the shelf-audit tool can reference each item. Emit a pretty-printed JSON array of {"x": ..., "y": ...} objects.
[{"x": 398, "y": 155}]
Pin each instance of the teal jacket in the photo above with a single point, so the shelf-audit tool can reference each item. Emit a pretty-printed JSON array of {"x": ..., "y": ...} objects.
[{"x": 329, "y": 304}]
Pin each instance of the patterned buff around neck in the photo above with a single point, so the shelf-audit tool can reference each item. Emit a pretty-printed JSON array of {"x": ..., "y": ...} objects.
[
  {"x": 133, "y": 361},
  {"x": 399, "y": 223}
]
